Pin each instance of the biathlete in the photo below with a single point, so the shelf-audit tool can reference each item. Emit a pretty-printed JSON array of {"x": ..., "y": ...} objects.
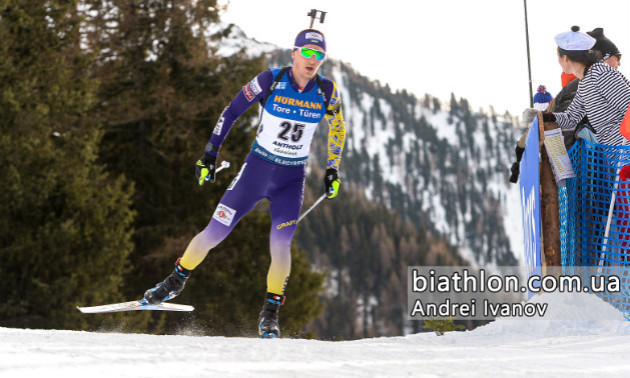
[{"x": 293, "y": 100}]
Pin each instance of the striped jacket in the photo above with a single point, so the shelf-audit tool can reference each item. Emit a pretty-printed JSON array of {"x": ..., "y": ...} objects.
[{"x": 603, "y": 95}]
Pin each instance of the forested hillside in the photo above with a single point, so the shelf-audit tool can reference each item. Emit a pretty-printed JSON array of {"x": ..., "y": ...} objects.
[{"x": 106, "y": 106}]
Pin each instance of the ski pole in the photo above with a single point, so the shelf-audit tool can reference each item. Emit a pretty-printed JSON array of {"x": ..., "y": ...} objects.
[
  {"x": 224, "y": 164},
  {"x": 320, "y": 199}
]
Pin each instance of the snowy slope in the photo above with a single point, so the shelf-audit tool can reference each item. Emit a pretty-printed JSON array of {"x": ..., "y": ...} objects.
[{"x": 579, "y": 336}]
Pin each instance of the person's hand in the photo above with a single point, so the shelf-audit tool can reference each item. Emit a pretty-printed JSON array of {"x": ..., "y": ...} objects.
[
  {"x": 331, "y": 182},
  {"x": 205, "y": 167},
  {"x": 585, "y": 131},
  {"x": 528, "y": 116},
  {"x": 516, "y": 171}
]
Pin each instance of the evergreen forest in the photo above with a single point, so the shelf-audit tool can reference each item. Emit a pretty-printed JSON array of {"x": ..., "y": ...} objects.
[{"x": 104, "y": 109}]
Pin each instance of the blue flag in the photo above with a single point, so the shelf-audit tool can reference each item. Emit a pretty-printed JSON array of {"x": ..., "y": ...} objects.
[{"x": 530, "y": 202}]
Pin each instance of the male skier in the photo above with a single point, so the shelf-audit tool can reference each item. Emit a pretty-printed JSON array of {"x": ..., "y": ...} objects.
[{"x": 293, "y": 102}]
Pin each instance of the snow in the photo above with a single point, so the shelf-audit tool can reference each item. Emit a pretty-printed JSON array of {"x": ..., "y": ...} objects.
[
  {"x": 579, "y": 336},
  {"x": 235, "y": 42}
]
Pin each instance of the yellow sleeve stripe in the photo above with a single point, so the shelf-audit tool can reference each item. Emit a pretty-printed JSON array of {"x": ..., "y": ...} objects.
[{"x": 336, "y": 130}]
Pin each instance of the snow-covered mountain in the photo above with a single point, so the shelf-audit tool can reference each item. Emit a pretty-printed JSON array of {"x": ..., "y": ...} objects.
[{"x": 438, "y": 163}]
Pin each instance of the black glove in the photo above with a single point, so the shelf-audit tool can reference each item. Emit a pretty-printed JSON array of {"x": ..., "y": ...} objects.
[
  {"x": 205, "y": 167},
  {"x": 516, "y": 171},
  {"x": 331, "y": 183},
  {"x": 548, "y": 117},
  {"x": 518, "y": 151}
]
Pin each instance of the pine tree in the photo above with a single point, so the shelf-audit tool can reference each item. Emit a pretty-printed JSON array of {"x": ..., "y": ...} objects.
[{"x": 64, "y": 224}]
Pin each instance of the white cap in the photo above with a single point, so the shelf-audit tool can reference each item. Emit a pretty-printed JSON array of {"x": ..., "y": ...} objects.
[{"x": 574, "y": 40}]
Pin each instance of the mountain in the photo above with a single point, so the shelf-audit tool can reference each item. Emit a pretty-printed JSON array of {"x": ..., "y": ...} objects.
[
  {"x": 441, "y": 165},
  {"x": 438, "y": 165},
  {"x": 424, "y": 182}
]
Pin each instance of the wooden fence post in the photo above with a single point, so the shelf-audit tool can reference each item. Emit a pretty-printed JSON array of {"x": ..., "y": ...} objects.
[{"x": 550, "y": 214}]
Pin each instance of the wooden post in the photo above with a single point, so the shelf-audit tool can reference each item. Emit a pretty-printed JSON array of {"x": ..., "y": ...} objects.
[{"x": 550, "y": 214}]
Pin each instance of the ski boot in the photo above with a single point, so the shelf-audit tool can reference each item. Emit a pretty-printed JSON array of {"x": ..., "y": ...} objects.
[
  {"x": 170, "y": 287},
  {"x": 268, "y": 327}
]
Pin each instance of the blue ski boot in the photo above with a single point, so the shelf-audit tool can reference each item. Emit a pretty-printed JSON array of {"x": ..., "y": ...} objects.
[
  {"x": 170, "y": 287},
  {"x": 268, "y": 327}
]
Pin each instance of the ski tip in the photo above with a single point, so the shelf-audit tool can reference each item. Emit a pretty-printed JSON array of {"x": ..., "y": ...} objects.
[{"x": 85, "y": 310}]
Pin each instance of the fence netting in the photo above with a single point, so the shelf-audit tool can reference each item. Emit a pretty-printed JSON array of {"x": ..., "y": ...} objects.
[{"x": 595, "y": 218}]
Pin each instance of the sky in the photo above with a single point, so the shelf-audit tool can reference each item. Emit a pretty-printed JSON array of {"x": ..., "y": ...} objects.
[
  {"x": 579, "y": 336},
  {"x": 474, "y": 49}
]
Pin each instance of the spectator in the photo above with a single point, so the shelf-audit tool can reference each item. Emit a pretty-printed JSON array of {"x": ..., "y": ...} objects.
[
  {"x": 542, "y": 98},
  {"x": 605, "y": 48},
  {"x": 567, "y": 78},
  {"x": 603, "y": 93}
]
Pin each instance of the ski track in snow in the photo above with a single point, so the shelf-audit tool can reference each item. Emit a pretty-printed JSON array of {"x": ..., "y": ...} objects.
[{"x": 579, "y": 336}]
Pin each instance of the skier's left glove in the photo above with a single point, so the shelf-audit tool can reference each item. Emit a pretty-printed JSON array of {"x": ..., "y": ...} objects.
[
  {"x": 205, "y": 168},
  {"x": 331, "y": 182}
]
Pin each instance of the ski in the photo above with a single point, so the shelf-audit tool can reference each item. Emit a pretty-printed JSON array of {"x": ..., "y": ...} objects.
[{"x": 134, "y": 306}]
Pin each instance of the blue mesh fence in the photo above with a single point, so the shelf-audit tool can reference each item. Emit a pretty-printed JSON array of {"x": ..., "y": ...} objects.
[{"x": 593, "y": 233}]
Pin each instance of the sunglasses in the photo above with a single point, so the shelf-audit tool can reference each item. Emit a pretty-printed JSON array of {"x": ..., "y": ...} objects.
[
  {"x": 308, "y": 53},
  {"x": 607, "y": 56}
]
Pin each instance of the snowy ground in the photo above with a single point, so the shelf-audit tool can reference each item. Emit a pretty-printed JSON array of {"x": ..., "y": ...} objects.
[{"x": 579, "y": 336}]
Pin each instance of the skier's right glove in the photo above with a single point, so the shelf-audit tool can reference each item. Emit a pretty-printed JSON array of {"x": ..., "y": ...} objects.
[
  {"x": 205, "y": 168},
  {"x": 331, "y": 182}
]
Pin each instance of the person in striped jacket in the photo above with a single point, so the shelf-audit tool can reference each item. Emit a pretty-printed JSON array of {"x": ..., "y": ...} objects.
[
  {"x": 582, "y": 56},
  {"x": 603, "y": 94}
]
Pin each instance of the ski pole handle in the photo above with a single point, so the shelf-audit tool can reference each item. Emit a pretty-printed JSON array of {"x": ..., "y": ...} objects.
[{"x": 224, "y": 164}]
